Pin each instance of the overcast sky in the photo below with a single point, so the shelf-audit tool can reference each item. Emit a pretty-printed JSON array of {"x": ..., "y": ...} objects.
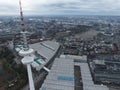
[{"x": 61, "y": 7}]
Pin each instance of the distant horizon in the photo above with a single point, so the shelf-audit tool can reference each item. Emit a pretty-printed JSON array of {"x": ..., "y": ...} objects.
[
  {"x": 61, "y": 7},
  {"x": 63, "y": 15}
]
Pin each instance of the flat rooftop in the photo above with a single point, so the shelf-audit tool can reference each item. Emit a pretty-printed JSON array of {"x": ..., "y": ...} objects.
[
  {"x": 46, "y": 49},
  {"x": 61, "y": 76},
  {"x": 88, "y": 83}
]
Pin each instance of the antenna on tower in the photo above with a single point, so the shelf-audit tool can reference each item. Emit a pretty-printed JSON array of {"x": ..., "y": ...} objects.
[
  {"x": 22, "y": 19},
  {"x": 23, "y": 32}
]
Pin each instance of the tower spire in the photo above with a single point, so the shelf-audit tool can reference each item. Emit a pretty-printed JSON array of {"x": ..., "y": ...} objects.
[
  {"x": 22, "y": 19},
  {"x": 23, "y": 32}
]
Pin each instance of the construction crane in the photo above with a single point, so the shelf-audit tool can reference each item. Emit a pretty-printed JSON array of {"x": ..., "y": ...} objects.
[{"x": 27, "y": 53}]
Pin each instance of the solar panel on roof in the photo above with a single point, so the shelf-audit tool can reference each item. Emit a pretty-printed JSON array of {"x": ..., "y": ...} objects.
[
  {"x": 65, "y": 78},
  {"x": 43, "y": 88}
]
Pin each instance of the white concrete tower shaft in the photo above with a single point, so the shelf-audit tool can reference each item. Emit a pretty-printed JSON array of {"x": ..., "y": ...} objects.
[{"x": 30, "y": 77}]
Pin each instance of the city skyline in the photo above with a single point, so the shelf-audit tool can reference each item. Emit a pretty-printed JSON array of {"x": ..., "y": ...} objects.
[{"x": 61, "y": 7}]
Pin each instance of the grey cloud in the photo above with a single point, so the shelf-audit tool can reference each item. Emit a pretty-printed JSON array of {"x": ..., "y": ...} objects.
[
  {"x": 8, "y": 8},
  {"x": 68, "y": 6}
]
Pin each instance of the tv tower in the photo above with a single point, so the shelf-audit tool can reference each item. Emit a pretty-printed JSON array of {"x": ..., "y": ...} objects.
[{"x": 26, "y": 52}]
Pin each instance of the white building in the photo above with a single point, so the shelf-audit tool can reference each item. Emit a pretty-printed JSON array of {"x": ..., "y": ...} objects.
[{"x": 61, "y": 76}]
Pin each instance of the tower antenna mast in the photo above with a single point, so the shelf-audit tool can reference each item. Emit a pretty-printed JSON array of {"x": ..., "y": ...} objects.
[
  {"x": 23, "y": 32},
  {"x": 22, "y": 19}
]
